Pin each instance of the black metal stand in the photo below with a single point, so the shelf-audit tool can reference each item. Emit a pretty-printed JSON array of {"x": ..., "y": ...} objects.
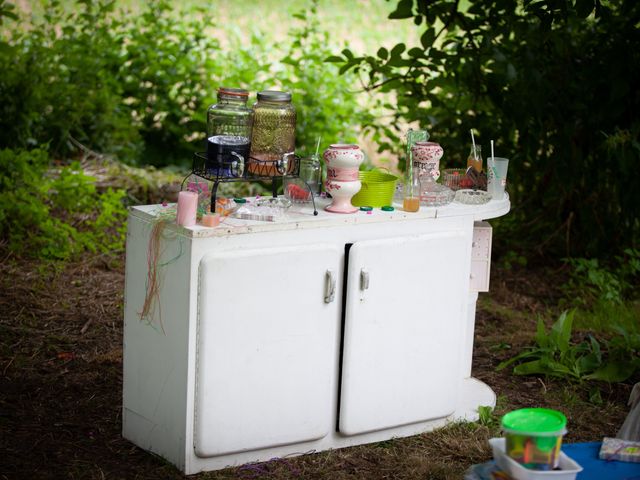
[{"x": 252, "y": 171}]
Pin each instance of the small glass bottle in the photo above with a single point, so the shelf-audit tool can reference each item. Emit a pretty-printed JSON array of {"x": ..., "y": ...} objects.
[
  {"x": 229, "y": 124},
  {"x": 411, "y": 200},
  {"x": 274, "y": 131},
  {"x": 475, "y": 158}
]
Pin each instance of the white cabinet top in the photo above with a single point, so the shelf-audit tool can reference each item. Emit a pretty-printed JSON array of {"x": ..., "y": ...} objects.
[{"x": 301, "y": 217}]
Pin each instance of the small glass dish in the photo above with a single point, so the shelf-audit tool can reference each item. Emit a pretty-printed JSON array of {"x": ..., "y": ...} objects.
[
  {"x": 268, "y": 209},
  {"x": 278, "y": 203},
  {"x": 472, "y": 197},
  {"x": 433, "y": 194}
]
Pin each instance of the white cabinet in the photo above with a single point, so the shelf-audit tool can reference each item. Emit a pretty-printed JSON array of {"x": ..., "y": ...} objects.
[
  {"x": 266, "y": 343},
  {"x": 402, "y": 325},
  {"x": 315, "y": 333}
]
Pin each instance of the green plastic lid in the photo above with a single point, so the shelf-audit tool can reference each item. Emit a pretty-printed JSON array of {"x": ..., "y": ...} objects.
[
  {"x": 535, "y": 421},
  {"x": 240, "y": 200},
  {"x": 366, "y": 209},
  {"x": 387, "y": 208}
]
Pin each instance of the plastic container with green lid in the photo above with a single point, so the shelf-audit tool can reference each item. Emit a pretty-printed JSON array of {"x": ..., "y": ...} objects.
[{"x": 534, "y": 436}]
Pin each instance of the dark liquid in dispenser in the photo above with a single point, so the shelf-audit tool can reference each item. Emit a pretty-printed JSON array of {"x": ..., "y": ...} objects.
[{"x": 220, "y": 154}]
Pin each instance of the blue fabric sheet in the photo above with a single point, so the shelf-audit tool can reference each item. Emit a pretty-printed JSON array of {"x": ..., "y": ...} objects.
[{"x": 586, "y": 454}]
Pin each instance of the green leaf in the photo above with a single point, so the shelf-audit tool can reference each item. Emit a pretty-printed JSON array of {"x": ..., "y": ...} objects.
[
  {"x": 595, "y": 348},
  {"x": 544, "y": 367},
  {"x": 613, "y": 372},
  {"x": 334, "y": 59},
  {"x": 485, "y": 415},
  {"x": 8, "y": 14},
  {"x": 531, "y": 368},
  {"x": 428, "y": 38},
  {"x": 347, "y": 53},
  {"x": 561, "y": 331},
  {"x": 587, "y": 364},
  {"x": 344, "y": 68},
  {"x": 542, "y": 339},
  {"x": 437, "y": 54},
  {"x": 517, "y": 358},
  {"x": 584, "y": 7},
  {"x": 403, "y": 10},
  {"x": 594, "y": 396},
  {"x": 398, "y": 49},
  {"x": 416, "y": 52},
  {"x": 383, "y": 53}
]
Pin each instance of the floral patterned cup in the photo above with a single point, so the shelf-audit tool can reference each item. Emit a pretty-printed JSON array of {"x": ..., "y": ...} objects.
[
  {"x": 343, "y": 182},
  {"x": 427, "y": 155}
]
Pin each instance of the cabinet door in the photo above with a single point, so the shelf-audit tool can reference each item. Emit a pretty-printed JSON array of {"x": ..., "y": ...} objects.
[
  {"x": 266, "y": 358},
  {"x": 404, "y": 311}
]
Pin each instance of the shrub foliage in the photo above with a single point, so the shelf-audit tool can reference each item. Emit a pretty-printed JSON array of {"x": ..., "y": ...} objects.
[
  {"x": 553, "y": 82},
  {"x": 135, "y": 87},
  {"x": 138, "y": 86},
  {"x": 56, "y": 214}
]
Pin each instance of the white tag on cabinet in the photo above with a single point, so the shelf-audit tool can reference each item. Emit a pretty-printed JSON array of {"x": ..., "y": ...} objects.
[{"x": 481, "y": 257}]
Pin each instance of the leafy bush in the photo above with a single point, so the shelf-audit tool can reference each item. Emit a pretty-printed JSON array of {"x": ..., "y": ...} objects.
[
  {"x": 555, "y": 355},
  {"x": 326, "y": 100},
  {"x": 138, "y": 86},
  {"x": 130, "y": 85},
  {"x": 52, "y": 217},
  {"x": 166, "y": 69},
  {"x": 55, "y": 85},
  {"x": 552, "y": 83},
  {"x": 592, "y": 282}
]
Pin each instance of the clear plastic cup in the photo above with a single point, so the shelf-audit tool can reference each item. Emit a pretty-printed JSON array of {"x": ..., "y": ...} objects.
[
  {"x": 534, "y": 437},
  {"x": 497, "y": 176}
]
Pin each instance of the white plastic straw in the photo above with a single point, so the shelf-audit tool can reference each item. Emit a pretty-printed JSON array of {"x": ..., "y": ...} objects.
[
  {"x": 473, "y": 141},
  {"x": 492, "y": 163}
]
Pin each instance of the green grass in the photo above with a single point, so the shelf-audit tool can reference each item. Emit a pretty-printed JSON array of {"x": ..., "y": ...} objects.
[
  {"x": 362, "y": 25},
  {"x": 606, "y": 316}
]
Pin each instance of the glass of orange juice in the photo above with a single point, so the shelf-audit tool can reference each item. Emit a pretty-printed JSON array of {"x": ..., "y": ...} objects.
[
  {"x": 411, "y": 201},
  {"x": 475, "y": 158}
]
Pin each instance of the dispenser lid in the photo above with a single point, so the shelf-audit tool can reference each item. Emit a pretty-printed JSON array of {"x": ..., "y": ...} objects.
[
  {"x": 274, "y": 96},
  {"x": 238, "y": 92}
]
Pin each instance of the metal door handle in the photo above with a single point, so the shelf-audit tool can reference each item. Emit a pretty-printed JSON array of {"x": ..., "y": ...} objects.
[
  {"x": 329, "y": 287},
  {"x": 364, "y": 279}
]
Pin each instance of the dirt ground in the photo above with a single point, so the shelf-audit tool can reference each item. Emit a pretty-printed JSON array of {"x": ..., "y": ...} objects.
[{"x": 61, "y": 385}]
